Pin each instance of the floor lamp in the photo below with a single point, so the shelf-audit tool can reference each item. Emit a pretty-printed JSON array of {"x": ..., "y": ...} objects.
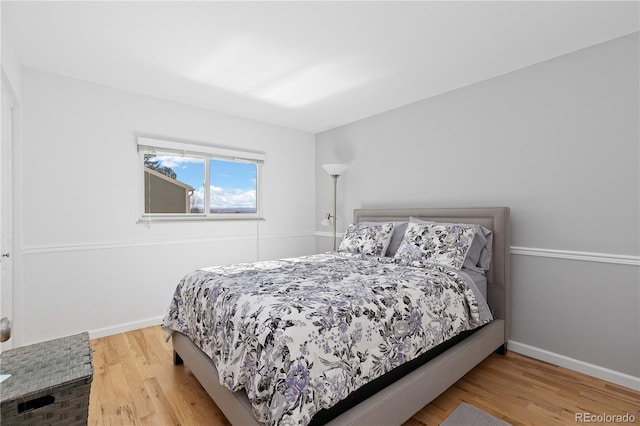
[{"x": 334, "y": 170}]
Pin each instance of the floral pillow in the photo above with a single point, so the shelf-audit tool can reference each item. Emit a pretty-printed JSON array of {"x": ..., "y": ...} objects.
[
  {"x": 479, "y": 256},
  {"x": 367, "y": 238},
  {"x": 443, "y": 244}
]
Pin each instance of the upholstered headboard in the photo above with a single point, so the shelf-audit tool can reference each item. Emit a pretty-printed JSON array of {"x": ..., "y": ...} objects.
[{"x": 494, "y": 218}]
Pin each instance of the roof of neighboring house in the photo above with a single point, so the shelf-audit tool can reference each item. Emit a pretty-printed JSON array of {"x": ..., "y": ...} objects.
[{"x": 168, "y": 179}]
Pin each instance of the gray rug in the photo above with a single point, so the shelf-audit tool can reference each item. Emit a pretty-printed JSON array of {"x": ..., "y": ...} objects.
[{"x": 466, "y": 414}]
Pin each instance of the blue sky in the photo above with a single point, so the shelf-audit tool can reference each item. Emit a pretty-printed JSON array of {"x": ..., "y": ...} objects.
[
  {"x": 191, "y": 173},
  {"x": 230, "y": 175}
]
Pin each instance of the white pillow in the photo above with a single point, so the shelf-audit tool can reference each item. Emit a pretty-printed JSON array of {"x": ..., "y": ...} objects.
[
  {"x": 364, "y": 238},
  {"x": 442, "y": 244},
  {"x": 479, "y": 255}
]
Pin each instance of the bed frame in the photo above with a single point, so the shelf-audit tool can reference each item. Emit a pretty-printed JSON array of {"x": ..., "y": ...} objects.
[{"x": 399, "y": 401}]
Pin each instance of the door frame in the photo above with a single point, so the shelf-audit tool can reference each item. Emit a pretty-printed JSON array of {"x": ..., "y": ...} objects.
[{"x": 8, "y": 135}]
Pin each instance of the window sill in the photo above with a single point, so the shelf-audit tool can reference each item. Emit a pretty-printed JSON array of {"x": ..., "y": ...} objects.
[{"x": 145, "y": 220}]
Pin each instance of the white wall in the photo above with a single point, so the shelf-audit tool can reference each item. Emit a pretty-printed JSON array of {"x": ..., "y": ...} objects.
[
  {"x": 85, "y": 264},
  {"x": 11, "y": 67},
  {"x": 557, "y": 142}
]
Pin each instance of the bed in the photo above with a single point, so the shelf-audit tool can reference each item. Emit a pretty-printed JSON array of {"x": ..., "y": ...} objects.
[{"x": 396, "y": 392}]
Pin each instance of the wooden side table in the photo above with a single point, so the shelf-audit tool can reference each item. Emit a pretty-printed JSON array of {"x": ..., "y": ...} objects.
[{"x": 49, "y": 383}]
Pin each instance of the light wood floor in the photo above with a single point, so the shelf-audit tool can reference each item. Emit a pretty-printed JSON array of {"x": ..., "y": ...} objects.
[{"x": 136, "y": 383}]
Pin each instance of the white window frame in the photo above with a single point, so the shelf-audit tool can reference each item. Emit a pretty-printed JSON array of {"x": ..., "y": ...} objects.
[{"x": 147, "y": 145}]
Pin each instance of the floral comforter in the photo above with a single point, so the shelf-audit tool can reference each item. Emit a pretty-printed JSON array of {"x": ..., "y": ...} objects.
[{"x": 300, "y": 334}]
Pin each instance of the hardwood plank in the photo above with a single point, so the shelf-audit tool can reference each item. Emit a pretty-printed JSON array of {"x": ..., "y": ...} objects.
[
  {"x": 136, "y": 383},
  {"x": 135, "y": 377},
  {"x": 121, "y": 409}
]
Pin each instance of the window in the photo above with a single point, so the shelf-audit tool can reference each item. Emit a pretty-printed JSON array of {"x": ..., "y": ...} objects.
[{"x": 188, "y": 181}]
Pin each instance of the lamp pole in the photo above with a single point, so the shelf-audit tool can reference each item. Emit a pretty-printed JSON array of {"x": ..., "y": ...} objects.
[
  {"x": 334, "y": 170},
  {"x": 335, "y": 208}
]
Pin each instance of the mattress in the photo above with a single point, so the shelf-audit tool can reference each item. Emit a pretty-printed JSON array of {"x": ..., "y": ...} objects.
[{"x": 478, "y": 278}]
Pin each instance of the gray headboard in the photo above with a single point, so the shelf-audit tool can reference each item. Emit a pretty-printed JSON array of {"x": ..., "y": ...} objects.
[{"x": 494, "y": 218}]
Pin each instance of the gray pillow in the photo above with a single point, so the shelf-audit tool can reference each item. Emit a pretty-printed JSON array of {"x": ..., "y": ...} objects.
[{"x": 479, "y": 256}]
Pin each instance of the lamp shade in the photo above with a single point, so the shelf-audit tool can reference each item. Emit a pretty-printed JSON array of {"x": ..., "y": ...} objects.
[{"x": 334, "y": 169}]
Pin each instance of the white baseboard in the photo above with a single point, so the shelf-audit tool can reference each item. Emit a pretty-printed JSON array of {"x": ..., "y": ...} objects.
[
  {"x": 612, "y": 376},
  {"x": 122, "y": 328}
]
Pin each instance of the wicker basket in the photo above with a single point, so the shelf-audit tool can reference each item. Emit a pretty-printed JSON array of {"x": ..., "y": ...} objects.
[{"x": 49, "y": 384}]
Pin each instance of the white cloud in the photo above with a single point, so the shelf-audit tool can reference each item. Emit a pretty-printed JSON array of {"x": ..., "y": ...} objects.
[
  {"x": 173, "y": 161},
  {"x": 227, "y": 198},
  {"x": 224, "y": 198}
]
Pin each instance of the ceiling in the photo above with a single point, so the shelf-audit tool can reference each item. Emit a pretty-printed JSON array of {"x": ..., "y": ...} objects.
[{"x": 310, "y": 65}]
